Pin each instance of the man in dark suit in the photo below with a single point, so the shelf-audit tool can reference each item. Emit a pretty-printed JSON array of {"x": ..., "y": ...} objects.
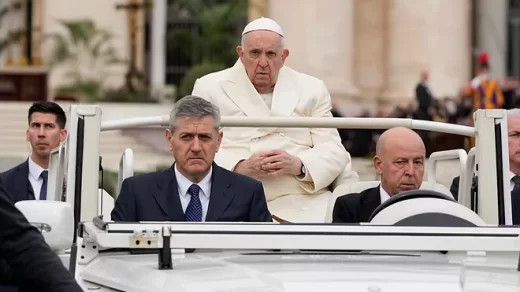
[
  {"x": 399, "y": 160},
  {"x": 424, "y": 98},
  {"x": 513, "y": 133},
  {"x": 26, "y": 261},
  {"x": 28, "y": 180},
  {"x": 425, "y": 107},
  {"x": 194, "y": 188}
]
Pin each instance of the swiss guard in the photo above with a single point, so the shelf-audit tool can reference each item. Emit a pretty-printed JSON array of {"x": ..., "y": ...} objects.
[{"x": 484, "y": 90}]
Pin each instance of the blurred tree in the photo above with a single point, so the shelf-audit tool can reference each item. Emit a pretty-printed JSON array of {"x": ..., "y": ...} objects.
[
  {"x": 86, "y": 52},
  {"x": 211, "y": 45},
  {"x": 193, "y": 74},
  {"x": 12, "y": 36},
  {"x": 218, "y": 33}
]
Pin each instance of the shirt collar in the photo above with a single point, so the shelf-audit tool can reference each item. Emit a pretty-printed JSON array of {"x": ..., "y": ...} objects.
[
  {"x": 183, "y": 183},
  {"x": 383, "y": 194},
  {"x": 34, "y": 169}
]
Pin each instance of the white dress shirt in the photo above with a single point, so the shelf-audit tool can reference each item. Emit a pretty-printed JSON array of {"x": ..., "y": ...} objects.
[
  {"x": 183, "y": 184},
  {"x": 383, "y": 194},
  {"x": 511, "y": 182},
  {"x": 34, "y": 178}
]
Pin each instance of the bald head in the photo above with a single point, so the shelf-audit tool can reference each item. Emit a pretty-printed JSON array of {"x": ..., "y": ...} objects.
[
  {"x": 396, "y": 136},
  {"x": 399, "y": 160}
]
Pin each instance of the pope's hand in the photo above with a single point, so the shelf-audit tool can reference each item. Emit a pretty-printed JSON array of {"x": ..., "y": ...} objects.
[
  {"x": 279, "y": 162},
  {"x": 252, "y": 166}
]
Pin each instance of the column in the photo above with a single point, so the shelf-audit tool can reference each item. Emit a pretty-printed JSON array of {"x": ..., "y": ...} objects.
[
  {"x": 257, "y": 9},
  {"x": 14, "y": 21},
  {"x": 37, "y": 33},
  {"x": 432, "y": 35},
  {"x": 320, "y": 40},
  {"x": 158, "y": 46},
  {"x": 492, "y": 34},
  {"x": 370, "y": 53},
  {"x": 22, "y": 43},
  {"x": 4, "y": 32},
  {"x": 140, "y": 61}
]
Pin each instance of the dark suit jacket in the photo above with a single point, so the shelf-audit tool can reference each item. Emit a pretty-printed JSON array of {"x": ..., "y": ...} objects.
[
  {"x": 32, "y": 265},
  {"x": 154, "y": 197},
  {"x": 454, "y": 188},
  {"x": 17, "y": 183},
  {"x": 515, "y": 199},
  {"x": 357, "y": 207},
  {"x": 424, "y": 99}
]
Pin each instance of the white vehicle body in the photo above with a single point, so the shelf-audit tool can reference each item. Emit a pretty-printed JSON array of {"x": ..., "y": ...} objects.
[{"x": 266, "y": 257}]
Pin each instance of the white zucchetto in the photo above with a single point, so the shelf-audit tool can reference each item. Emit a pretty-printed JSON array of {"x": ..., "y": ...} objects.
[{"x": 263, "y": 23}]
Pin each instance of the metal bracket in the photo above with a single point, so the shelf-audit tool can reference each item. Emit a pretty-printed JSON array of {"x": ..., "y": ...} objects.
[
  {"x": 88, "y": 250},
  {"x": 144, "y": 239},
  {"x": 165, "y": 253}
]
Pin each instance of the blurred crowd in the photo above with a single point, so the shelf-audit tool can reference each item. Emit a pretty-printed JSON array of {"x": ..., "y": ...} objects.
[{"x": 455, "y": 110}]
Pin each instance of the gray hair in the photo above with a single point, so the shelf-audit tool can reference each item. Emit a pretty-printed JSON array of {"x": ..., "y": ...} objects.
[
  {"x": 514, "y": 112},
  {"x": 192, "y": 106}
]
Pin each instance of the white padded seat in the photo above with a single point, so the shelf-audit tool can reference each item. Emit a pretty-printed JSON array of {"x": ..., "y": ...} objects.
[
  {"x": 107, "y": 206},
  {"x": 357, "y": 187}
]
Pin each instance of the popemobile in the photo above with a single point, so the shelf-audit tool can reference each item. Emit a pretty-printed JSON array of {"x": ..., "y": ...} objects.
[{"x": 399, "y": 250}]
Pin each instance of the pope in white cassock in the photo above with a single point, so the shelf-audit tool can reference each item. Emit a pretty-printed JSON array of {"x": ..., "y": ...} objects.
[{"x": 297, "y": 166}]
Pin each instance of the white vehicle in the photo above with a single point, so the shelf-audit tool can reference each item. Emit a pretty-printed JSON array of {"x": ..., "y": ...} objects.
[{"x": 472, "y": 253}]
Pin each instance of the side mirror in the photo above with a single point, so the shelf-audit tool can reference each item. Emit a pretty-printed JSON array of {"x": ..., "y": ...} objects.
[{"x": 55, "y": 220}]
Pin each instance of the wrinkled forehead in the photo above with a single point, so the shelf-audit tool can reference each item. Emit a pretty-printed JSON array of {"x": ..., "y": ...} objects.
[
  {"x": 196, "y": 125},
  {"x": 405, "y": 150},
  {"x": 262, "y": 39}
]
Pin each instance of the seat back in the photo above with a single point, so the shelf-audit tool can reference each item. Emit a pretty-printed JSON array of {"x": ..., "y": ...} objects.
[
  {"x": 105, "y": 205},
  {"x": 126, "y": 169},
  {"x": 357, "y": 187}
]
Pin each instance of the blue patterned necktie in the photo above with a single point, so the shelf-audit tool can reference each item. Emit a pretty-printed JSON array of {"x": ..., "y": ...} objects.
[
  {"x": 194, "y": 209},
  {"x": 43, "y": 191}
]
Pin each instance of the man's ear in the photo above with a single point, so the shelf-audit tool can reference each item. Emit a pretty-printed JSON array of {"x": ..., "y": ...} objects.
[
  {"x": 240, "y": 51},
  {"x": 168, "y": 135},
  {"x": 285, "y": 54},
  {"x": 377, "y": 164},
  {"x": 63, "y": 135},
  {"x": 219, "y": 138}
]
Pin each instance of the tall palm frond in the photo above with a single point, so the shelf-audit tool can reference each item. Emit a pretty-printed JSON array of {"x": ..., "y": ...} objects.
[
  {"x": 12, "y": 36},
  {"x": 86, "y": 51}
]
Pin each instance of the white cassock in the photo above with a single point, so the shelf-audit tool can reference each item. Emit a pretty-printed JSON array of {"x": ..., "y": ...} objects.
[{"x": 320, "y": 150}]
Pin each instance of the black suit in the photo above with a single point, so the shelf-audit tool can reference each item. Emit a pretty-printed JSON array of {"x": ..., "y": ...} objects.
[
  {"x": 357, "y": 207},
  {"x": 454, "y": 188},
  {"x": 155, "y": 197},
  {"x": 16, "y": 180},
  {"x": 26, "y": 260},
  {"x": 424, "y": 100},
  {"x": 515, "y": 197}
]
